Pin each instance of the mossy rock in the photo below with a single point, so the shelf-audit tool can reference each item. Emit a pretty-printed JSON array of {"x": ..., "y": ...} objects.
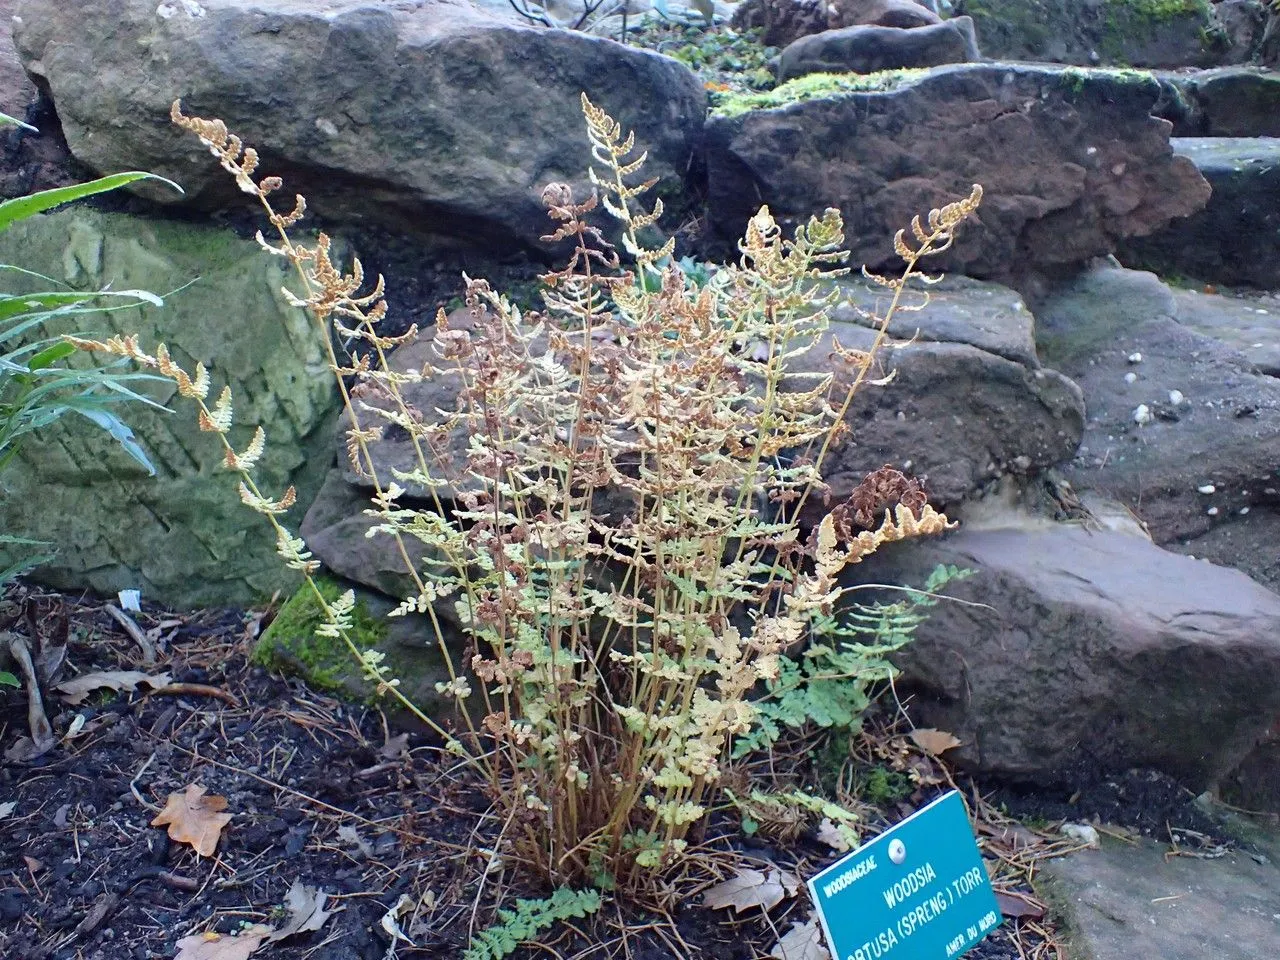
[
  {"x": 291, "y": 645},
  {"x": 1139, "y": 33},
  {"x": 182, "y": 537},
  {"x": 814, "y": 86}
]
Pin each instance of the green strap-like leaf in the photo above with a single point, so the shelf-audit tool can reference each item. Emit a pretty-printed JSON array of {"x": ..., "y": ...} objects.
[
  {"x": 20, "y": 208},
  {"x": 27, "y": 302},
  {"x": 5, "y": 119},
  {"x": 50, "y": 355},
  {"x": 122, "y": 434}
]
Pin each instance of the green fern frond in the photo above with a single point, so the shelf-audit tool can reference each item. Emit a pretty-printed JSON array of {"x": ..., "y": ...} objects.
[
  {"x": 828, "y": 685},
  {"x": 527, "y": 920}
]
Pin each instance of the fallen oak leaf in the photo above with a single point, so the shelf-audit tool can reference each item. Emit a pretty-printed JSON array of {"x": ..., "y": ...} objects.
[
  {"x": 306, "y": 911},
  {"x": 934, "y": 742},
  {"x": 802, "y": 942},
  {"x": 77, "y": 688},
  {"x": 752, "y": 888},
  {"x": 1016, "y": 906},
  {"x": 833, "y": 837},
  {"x": 194, "y": 818},
  {"x": 216, "y": 946}
]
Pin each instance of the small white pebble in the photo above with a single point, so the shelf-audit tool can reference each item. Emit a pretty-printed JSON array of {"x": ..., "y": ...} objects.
[
  {"x": 1212, "y": 511},
  {"x": 1207, "y": 489},
  {"x": 1260, "y": 310},
  {"x": 1244, "y": 511},
  {"x": 1082, "y": 832},
  {"x": 1142, "y": 414},
  {"x": 1176, "y": 397},
  {"x": 1135, "y": 358},
  {"x": 1130, "y": 377}
]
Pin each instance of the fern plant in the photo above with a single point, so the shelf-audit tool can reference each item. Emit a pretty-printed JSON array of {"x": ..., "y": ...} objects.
[
  {"x": 529, "y": 918},
  {"x": 611, "y": 654},
  {"x": 828, "y": 685}
]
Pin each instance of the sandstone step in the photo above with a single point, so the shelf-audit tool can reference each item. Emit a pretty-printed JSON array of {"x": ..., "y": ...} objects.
[
  {"x": 1125, "y": 901},
  {"x": 1182, "y": 420},
  {"x": 1226, "y": 102},
  {"x": 1235, "y": 239}
]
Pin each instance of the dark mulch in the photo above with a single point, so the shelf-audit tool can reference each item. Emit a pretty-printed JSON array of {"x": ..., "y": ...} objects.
[
  {"x": 1146, "y": 802},
  {"x": 316, "y": 796}
]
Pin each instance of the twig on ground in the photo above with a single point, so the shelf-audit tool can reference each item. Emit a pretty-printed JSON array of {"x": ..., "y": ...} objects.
[
  {"x": 337, "y": 811},
  {"x": 133, "y": 785},
  {"x": 194, "y": 690},
  {"x": 134, "y": 631}
]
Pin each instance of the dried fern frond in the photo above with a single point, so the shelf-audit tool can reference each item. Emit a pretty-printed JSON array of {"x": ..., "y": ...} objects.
[{"x": 638, "y": 423}]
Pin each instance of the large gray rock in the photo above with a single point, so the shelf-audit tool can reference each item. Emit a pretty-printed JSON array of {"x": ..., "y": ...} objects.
[
  {"x": 1227, "y": 102},
  {"x": 784, "y": 21},
  {"x": 182, "y": 537},
  {"x": 1071, "y": 162},
  {"x": 1246, "y": 321},
  {"x": 1133, "y": 900},
  {"x": 865, "y": 49},
  {"x": 1255, "y": 784},
  {"x": 432, "y": 117},
  {"x": 1124, "y": 33},
  {"x": 1203, "y": 470},
  {"x": 1078, "y": 645},
  {"x": 16, "y": 91},
  {"x": 902, "y": 14},
  {"x": 969, "y": 400},
  {"x": 1235, "y": 239},
  {"x": 1243, "y": 25},
  {"x": 977, "y": 313},
  {"x": 336, "y": 531}
]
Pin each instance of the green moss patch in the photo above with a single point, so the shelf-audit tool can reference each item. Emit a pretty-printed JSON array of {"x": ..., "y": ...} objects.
[
  {"x": 1075, "y": 78},
  {"x": 1127, "y": 21},
  {"x": 290, "y": 644},
  {"x": 813, "y": 86}
]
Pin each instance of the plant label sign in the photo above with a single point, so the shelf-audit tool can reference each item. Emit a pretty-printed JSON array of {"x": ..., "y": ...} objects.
[{"x": 916, "y": 892}]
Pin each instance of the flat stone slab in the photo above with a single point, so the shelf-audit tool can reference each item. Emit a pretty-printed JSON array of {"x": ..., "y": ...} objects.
[
  {"x": 1235, "y": 239},
  {"x": 1246, "y": 321},
  {"x": 1124, "y": 902}
]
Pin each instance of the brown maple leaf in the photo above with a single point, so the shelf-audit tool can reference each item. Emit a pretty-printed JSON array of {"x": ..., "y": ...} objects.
[{"x": 194, "y": 818}]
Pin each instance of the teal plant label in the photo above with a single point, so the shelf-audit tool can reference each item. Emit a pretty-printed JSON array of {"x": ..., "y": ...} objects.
[{"x": 916, "y": 892}]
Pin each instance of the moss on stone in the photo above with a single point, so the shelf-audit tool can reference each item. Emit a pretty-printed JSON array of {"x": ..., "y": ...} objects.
[
  {"x": 1029, "y": 20},
  {"x": 1114, "y": 30},
  {"x": 1126, "y": 19},
  {"x": 814, "y": 86},
  {"x": 291, "y": 644},
  {"x": 1075, "y": 78}
]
